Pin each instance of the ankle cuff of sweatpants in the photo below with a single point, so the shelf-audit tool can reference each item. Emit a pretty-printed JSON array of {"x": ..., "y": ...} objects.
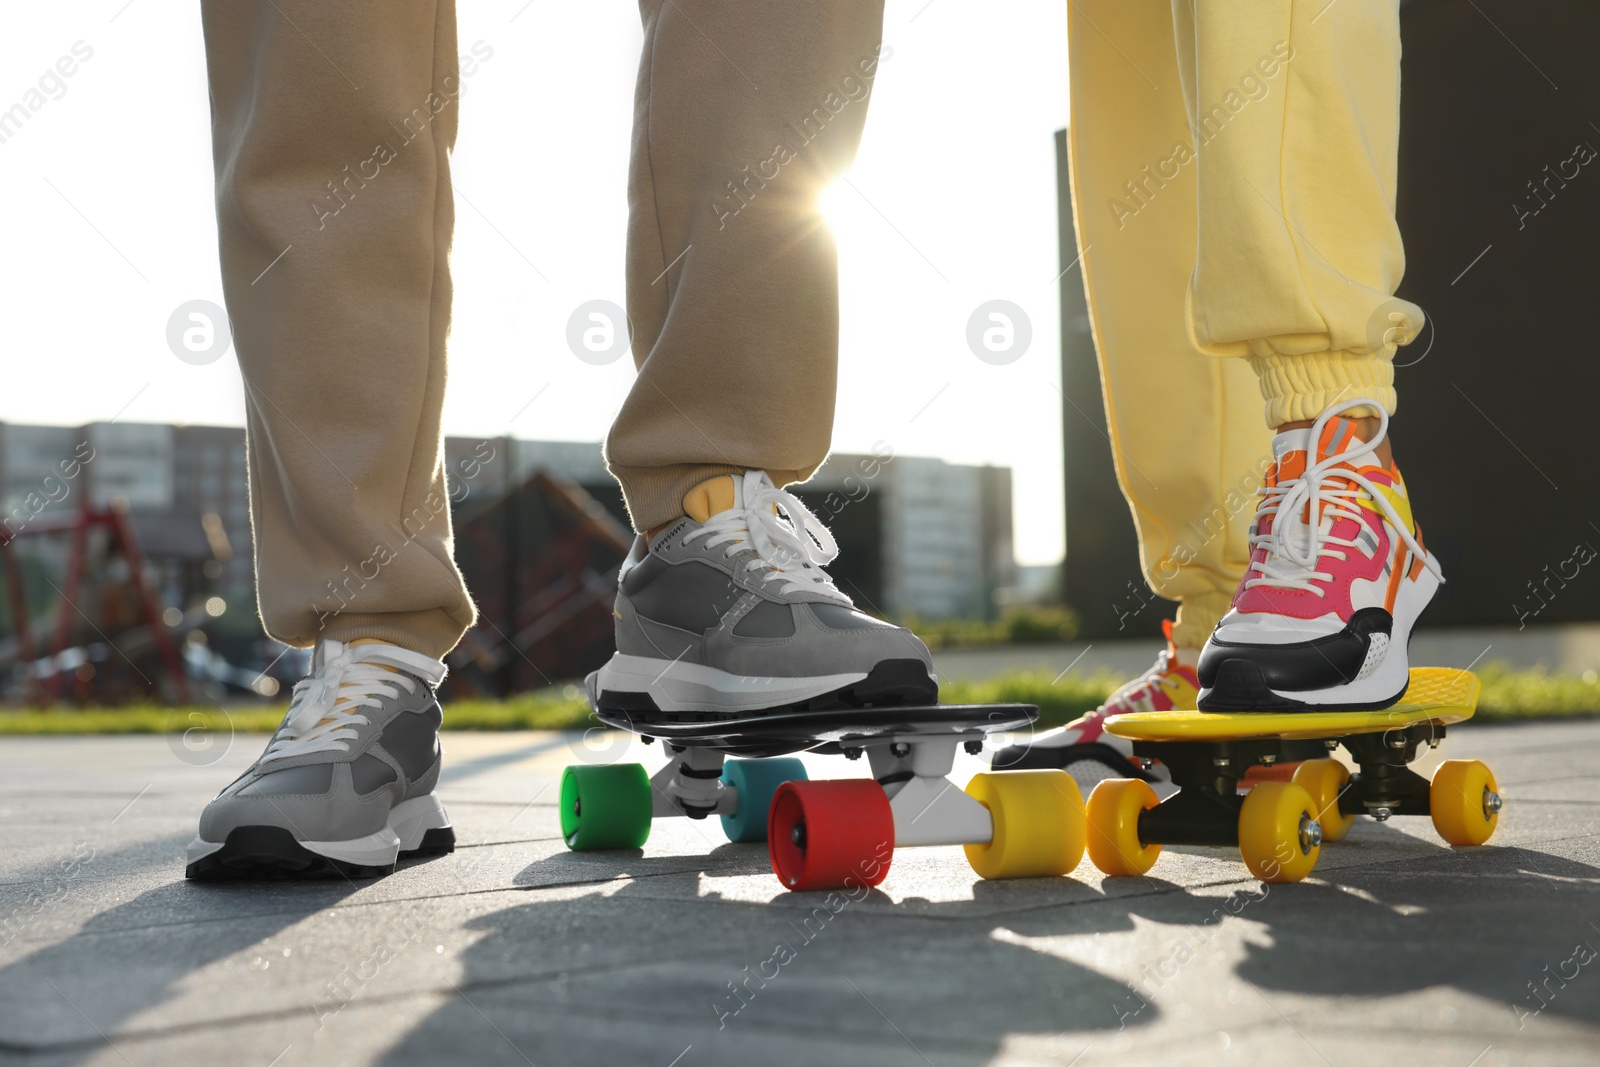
[
  {"x": 1198, "y": 615},
  {"x": 654, "y": 495},
  {"x": 432, "y": 633},
  {"x": 1303, "y": 387}
]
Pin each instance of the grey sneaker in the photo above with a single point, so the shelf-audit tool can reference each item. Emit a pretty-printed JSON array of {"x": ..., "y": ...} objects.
[
  {"x": 346, "y": 784},
  {"x": 729, "y": 609}
]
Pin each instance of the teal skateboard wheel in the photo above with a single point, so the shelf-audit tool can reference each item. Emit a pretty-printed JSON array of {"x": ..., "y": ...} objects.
[
  {"x": 755, "y": 780},
  {"x": 605, "y": 807}
]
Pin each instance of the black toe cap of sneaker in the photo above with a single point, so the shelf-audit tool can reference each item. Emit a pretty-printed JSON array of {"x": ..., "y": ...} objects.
[{"x": 1236, "y": 676}]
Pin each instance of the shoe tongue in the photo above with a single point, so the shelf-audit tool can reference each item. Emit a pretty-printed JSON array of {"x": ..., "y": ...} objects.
[
  {"x": 323, "y": 651},
  {"x": 1339, "y": 435},
  {"x": 712, "y": 497},
  {"x": 716, "y": 495},
  {"x": 1288, "y": 441}
]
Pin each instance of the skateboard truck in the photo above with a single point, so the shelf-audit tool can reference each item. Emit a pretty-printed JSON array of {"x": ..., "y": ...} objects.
[
  {"x": 928, "y": 809},
  {"x": 691, "y": 784}
]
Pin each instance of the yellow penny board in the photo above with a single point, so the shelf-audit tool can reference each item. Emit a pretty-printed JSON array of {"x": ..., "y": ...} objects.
[{"x": 1436, "y": 694}]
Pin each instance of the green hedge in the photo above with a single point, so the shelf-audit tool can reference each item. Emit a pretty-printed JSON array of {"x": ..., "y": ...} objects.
[
  {"x": 1511, "y": 694},
  {"x": 557, "y": 708},
  {"x": 1018, "y": 626}
]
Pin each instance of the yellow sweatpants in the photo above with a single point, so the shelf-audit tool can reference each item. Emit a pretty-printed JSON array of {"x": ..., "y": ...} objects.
[{"x": 1233, "y": 167}]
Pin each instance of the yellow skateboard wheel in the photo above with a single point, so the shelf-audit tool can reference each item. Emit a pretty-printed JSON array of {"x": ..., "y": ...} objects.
[
  {"x": 1465, "y": 801},
  {"x": 1113, "y": 814},
  {"x": 1325, "y": 779},
  {"x": 1279, "y": 836},
  {"x": 1038, "y": 824}
]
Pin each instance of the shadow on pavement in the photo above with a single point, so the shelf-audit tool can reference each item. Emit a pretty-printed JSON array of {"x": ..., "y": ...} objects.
[
  {"x": 649, "y": 959},
  {"x": 635, "y": 971},
  {"x": 67, "y": 997},
  {"x": 1507, "y": 924}
]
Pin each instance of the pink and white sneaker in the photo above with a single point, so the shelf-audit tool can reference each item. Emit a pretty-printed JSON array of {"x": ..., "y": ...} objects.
[
  {"x": 1337, "y": 577},
  {"x": 1084, "y": 749}
]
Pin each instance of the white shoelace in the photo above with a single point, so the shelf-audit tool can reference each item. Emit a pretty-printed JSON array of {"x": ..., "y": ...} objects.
[
  {"x": 790, "y": 543},
  {"x": 1292, "y": 564},
  {"x": 325, "y": 708}
]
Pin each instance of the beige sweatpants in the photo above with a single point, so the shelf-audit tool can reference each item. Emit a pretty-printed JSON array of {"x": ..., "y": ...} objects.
[
  {"x": 333, "y": 122},
  {"x": 1233, "y": 165}
]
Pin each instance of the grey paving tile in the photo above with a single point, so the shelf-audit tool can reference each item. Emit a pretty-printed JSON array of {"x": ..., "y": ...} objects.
[{"x": 515, "y": 950}]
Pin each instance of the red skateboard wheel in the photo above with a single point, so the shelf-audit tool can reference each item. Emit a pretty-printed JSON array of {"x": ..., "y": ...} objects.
[
  {"x": 1278, "y": 772},
  {"x": 830, "y": 835}
]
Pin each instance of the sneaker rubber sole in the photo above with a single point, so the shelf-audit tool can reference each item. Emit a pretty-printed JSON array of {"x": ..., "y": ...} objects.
[
  {"x": 416, "y": 828},
  {"x": 636, "y": 683}
]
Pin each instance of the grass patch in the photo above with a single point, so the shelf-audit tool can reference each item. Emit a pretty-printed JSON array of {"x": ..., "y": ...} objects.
[
  {"x": 556, "y": 708},
  {"x": 1508, "y": 695},
  {"x": 139, "y": 719},
  {"x": 547, "y": 709},
  {"x": 1017, "y": 626}
]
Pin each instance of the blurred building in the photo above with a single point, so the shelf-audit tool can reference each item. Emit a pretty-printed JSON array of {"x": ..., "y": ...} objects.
[
  {"x": 184, "y": 487},
  {"x": 917, "y": 536},
  {"x": 941, "y": 535},
  {"x": 540, "y": 526},
  {"x": 1100, "y": 576}
]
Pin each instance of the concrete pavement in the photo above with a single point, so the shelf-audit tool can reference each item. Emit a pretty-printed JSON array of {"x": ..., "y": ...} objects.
[{"x": 514, "y": 950}]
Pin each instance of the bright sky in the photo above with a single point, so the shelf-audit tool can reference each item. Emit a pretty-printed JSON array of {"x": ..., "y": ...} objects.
[{"x": 110, "y": 227}]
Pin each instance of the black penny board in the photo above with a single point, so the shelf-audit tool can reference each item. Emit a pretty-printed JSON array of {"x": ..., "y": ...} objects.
[{"x": 777, "y": 732}]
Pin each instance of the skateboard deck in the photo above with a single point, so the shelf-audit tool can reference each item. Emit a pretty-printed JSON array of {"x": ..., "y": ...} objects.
[
  {"x": 831, "y": 731},
  {"x": 1440, "y": 695}
]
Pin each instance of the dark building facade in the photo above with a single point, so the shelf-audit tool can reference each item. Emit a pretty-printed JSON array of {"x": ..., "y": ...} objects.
[{"x": 1499, "y": 203}]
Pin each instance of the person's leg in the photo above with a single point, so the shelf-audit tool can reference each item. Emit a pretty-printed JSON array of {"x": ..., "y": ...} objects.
[
  {"x": 1189, "y": 452},
  {"x": 745, "y": 112},
  {"x": 1188, "y": 456},
  {"x": 1299, "y": 254},
  {"x": 332, "y": 123},
  {"x": 1298, "y": 259}
]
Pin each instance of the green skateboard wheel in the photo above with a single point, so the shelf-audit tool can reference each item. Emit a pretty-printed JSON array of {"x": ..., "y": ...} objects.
[
  {"x": 755, "y": 780},
  {"x": 605, "y": 806}
]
